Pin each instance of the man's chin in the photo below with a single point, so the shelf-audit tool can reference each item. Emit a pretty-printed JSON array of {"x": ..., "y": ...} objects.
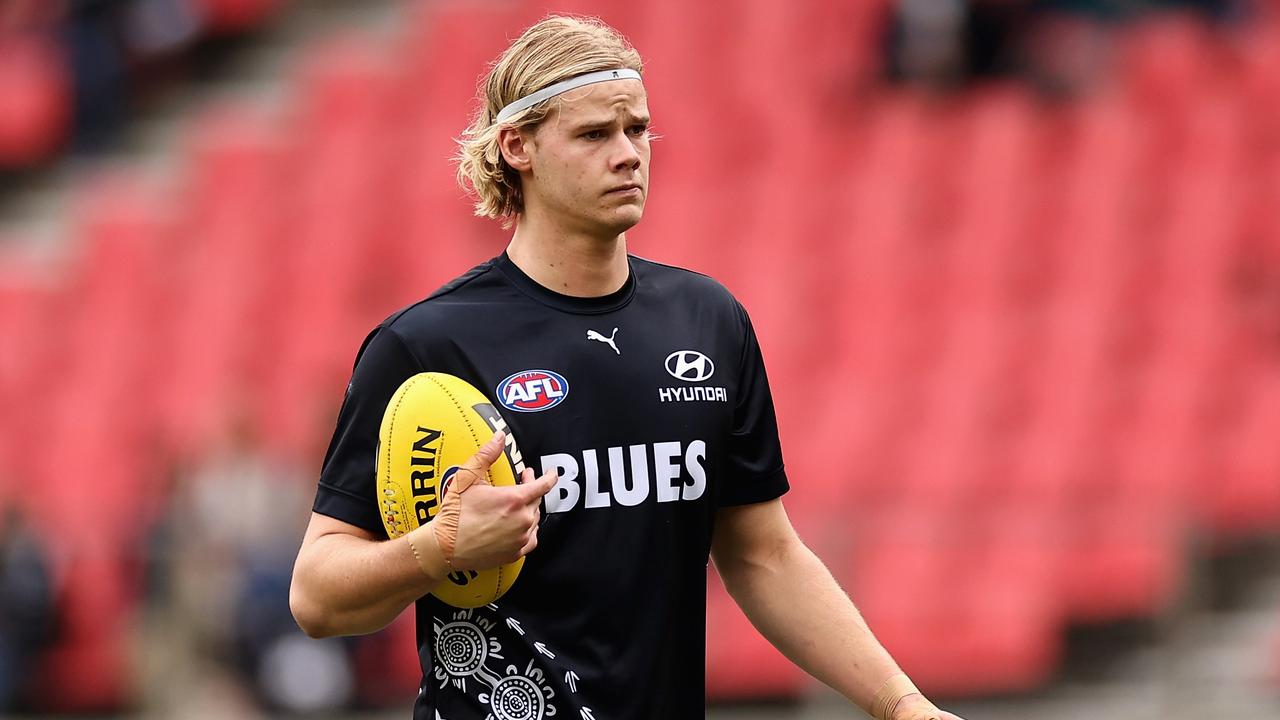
[
  {"x": 626, "y": 217},
  {"x": 618, "y": 221}
]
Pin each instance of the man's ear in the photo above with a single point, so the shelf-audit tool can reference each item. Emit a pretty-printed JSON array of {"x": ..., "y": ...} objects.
[{"x": 514, "y": 146}]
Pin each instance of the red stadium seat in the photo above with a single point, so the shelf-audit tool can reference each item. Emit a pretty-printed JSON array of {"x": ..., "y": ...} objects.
[
  {"x": 457, "y": 34},
  {"x": 1168, "y": 60},
  {"x": 1242, "y": 493},
  {"x": 896, "y": 575},
  {"x": 231, "y": 16},
  {"x": 35, "y": 100},
  {"x": 31, "y": 357},
  {"x": 988, "y": 622},
  {"x": 119, "y": 279},
  {"x": 346, "y": 85},
  {"x": 86, "y": 670},
  {"x": 1261, "y": 81},
  {"x": 232, "y": 247},
  {"x": 981, "y": 566},
  {"x": 1000, "y": 150}
]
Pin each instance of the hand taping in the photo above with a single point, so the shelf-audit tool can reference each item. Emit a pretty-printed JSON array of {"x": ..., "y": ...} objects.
[{"x": 480, "y": 526}]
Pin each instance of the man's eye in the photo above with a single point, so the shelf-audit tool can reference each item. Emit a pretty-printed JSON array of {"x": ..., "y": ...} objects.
[
  {"x": 593, "y": 134},
  {"x": 639, "y": 129}
]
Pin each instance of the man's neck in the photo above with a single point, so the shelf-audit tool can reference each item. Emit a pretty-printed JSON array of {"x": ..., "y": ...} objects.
[{"x": 569, "y": 263}]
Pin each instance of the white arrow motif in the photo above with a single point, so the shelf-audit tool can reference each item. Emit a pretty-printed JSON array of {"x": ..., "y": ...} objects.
[
  {"x": 491, "y": 606},
  {"x": 571, "y": 677},
  {"x": 515, "y": 625},
  {"x": 587, "y": 714},
  {"x": 543, "y": 649}
]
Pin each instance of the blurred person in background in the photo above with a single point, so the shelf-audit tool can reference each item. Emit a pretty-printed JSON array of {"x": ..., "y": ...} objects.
[
  {"x": 218, "y": 600},
  {"x": 27, "y": 605},
  {"x": 926, "y": 42},
  {"x": 949, "y": 43},
  {"x": 1064, "y": 47},
  {"x": 99, "y": 65},
  {"x": 111, "y": 46},
  {"x": 73, "y": 70}
]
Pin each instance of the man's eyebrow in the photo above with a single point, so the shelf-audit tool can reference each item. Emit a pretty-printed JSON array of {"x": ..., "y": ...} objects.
[
  {"x": 592, "y": 124},
  {"x": 603, "y": 122}
]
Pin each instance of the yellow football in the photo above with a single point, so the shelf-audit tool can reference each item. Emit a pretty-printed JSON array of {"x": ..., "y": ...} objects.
[{"x": 434, "y": 423}]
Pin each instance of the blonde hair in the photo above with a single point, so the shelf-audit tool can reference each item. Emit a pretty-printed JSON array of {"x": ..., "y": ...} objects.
[{"x": 556, "y": 48}]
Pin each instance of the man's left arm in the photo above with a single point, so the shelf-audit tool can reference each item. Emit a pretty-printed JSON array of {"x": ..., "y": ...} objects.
[{"x": 792, "y": 599}]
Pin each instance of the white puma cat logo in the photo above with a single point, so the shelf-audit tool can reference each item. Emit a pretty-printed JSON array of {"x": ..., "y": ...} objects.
[{"x": 593, "y": 335}]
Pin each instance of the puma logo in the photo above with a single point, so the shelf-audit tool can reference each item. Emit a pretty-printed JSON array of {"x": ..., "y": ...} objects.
[{"x": 593, "y": 335}]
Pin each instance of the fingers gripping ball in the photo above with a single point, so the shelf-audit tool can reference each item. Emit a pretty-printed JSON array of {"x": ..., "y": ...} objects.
[{"x": 430, "y": 433}]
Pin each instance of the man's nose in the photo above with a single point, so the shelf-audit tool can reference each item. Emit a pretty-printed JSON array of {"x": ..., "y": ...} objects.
[{"x": 625, "y": 156}]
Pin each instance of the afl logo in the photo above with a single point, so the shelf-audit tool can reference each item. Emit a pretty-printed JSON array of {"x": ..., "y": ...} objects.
[
  {"x": 533, "y": 390},
  {"x": 446, "y": 480},
  {"x": 690, "y": 366}
]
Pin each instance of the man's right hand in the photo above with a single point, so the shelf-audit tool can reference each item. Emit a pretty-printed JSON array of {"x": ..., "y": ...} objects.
[{"x": 490, "y": 526}]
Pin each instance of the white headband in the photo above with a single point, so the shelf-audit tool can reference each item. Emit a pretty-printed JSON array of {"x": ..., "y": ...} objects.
[{"x": 563, "y": 86}]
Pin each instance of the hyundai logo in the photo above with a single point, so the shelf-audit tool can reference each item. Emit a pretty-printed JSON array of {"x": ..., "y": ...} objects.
[{"x": 690, "y": 366}]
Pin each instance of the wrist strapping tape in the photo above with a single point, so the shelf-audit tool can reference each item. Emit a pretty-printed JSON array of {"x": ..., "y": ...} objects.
[
  {"x": 893, "y": 690},
  {"x": 429, "y": 557}
]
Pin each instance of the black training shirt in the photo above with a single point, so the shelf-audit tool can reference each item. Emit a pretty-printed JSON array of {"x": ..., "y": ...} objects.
[{"x": 653, "y": 406}]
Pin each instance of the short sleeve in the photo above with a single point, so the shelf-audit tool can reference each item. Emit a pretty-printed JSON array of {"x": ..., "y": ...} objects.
[
  {"x": 348, "y": 477},
  {"x": 754, "y": 469}
]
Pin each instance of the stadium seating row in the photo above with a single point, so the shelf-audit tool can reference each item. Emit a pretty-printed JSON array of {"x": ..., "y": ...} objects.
[{"x": 1038, "y": 343}]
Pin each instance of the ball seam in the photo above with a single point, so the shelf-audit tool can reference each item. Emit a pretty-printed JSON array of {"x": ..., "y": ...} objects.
[{"x": 408, "y": 385}]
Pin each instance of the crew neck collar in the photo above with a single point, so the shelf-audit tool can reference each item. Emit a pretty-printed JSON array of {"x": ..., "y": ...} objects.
[{"x": 569, "y": 303}]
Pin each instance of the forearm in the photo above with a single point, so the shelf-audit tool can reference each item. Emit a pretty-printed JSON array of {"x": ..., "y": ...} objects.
[
  {"x": 345, "y": 585},
  {"x": 793, "y": 600}
]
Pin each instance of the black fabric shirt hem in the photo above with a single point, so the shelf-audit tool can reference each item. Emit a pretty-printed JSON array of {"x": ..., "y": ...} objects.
[
  {"x": 769, "y": 486},
  {"x": 341, "y": 505}
]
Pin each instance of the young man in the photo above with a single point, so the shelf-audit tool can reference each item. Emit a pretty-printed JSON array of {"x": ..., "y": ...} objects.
[{"x": 653, "y": 428}]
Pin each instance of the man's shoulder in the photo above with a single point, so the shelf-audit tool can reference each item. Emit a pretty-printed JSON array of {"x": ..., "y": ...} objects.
[
  {"x": 433, "y": 312},
  {"x": 682, "y": 282}
]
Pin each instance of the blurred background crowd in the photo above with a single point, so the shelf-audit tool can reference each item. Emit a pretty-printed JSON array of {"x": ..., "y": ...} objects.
[
  {"x": 75, "y": 70},
  {"x": 1018, "y": 259},
  {"x": 1061, "y": 46}
]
